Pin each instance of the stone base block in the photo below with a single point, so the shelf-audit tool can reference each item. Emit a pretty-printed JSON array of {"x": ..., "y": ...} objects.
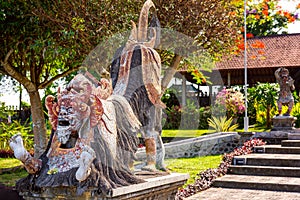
[
  {"x": 283, "y": 123},
  {"x": 161, "y": 187},
  {"x": 294, "y": 135},
  {"x": 272, "y": 137}
]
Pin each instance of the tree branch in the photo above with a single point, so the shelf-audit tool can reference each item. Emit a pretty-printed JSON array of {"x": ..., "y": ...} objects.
[
  {"x": 49, "y": 82},
  {"x": 170, "y": 72},
  {"x": 10, "y": 71},
  {"x": 7, "y": 57}
]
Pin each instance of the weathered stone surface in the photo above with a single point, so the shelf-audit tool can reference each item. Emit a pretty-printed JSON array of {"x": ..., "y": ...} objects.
[
  {"x": 283, "y": 123},
  {"x": 212, "y": 144},
  {"x": 294, "y": 134},
  {"x": 162, "y": 187},
  {"x": 271, "y": 134},
  {"x": 275, "y": 136}
]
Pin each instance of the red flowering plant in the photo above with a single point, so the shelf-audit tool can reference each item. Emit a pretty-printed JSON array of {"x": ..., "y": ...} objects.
[
  {"x": 196, "y": 63},
  {"x": 198, "y": 76},
  {"x": 264, "y": 17},
  {"x": 232, "y": 101}
]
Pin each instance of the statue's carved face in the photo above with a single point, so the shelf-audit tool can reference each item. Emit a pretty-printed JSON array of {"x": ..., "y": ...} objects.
[
  {"x": 74, "y": 107},
  {"x": 77, "y": 103}
]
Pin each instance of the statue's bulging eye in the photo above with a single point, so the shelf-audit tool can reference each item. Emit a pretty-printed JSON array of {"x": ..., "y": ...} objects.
[{"x": 70, "y": 110}]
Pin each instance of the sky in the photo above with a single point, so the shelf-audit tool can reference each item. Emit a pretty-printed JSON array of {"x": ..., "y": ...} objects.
[
  {"x": 294, "y": 28},
  {"x": 289, "y": 5}
]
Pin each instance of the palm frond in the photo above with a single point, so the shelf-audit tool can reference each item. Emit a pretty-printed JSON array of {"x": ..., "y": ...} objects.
[{"x": 222, "y": 124}]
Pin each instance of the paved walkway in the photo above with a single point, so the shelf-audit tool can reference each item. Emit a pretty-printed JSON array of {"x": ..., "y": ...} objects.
[{"x": 243, "y": 194}]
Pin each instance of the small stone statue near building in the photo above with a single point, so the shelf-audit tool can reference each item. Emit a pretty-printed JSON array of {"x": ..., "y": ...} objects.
[{"x": 286, "y": 86}]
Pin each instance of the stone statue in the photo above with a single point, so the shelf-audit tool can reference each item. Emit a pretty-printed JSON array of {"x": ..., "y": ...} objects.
[
  {"x": 94, "y": 136},
  {"x": 135, "y": 73},
  {"x": 286, "y": 86}
]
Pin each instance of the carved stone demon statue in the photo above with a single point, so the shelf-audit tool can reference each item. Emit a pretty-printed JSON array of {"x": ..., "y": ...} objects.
[
  {"x": 93, "y": 139},
  {"x": 135, "y": 73}
]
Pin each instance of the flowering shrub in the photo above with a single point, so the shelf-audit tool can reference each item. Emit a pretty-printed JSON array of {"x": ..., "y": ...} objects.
[
  {"x": 262, "y": 102},
  {"x": 296, "y": 113},
  {"x": 198, "y": 76},
  {"x": 207, "y": 177},
  {"x": 232, "y": 101},
  {"x": 264, "y": 17},
  {"x": 6, "y": 153},
  {"x": 259, "y": 14},
  {"x": 190, "y": 116}
]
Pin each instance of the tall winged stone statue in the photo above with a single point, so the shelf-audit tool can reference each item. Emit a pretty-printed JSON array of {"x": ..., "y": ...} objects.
[{"x": 135, "y": 73}]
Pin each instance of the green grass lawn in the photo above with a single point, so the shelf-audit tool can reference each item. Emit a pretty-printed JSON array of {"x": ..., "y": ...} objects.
[
  {"x": 9, "y": 162},
  {"x": 10, "y": 179},
  {"x": 193, "y": 166},
  {"x": 197, "y": 133},
  {"x": 185, "y": 133},
  {"x": 255, "y": 129}
]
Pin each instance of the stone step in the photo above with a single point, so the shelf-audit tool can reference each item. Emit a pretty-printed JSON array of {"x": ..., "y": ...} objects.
[
  {"x": 295, "y": 135},
  {"x": 276, "y": 149},
  {"x": 290, "y": 143},
  {"x": 287, "y": 184},
  {"x": 214, "y": 193},
  {"x": 264, "y": 170},
  {"x": 283, "y": 160}
]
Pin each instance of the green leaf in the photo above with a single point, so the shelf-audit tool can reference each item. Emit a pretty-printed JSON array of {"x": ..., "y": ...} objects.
[{"x": 222, "y": 124}]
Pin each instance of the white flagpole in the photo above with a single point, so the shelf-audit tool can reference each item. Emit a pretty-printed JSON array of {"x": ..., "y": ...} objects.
[{"x": 246, "y": 120}]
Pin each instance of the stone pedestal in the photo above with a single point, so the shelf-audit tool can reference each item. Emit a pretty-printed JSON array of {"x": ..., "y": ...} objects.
[
  {"x": 294, "y": 135},
  {"x": 283, "y": 126},
  {"x": 283, "y": 123},
  {"x": 161, "y": 187}
]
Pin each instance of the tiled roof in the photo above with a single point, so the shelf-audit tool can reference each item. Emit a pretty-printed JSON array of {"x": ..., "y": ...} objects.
[{"x": 278, "y": 51}]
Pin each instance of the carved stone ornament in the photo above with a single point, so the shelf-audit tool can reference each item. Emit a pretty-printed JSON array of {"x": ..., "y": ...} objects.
[{"x": 135, "y": 73}]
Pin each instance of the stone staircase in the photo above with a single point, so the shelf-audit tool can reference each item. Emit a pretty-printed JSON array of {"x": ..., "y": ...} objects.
[{"x": 269, "y": 167}]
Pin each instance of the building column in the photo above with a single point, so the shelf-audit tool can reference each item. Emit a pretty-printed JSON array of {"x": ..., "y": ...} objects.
[{"x": 228, "y": 79}]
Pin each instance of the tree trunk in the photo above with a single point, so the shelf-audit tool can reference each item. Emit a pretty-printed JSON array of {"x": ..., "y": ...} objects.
[
  {"x": 38, "y": 123},
  {"x": 268, "y": 116},
  {"x": 20, "y": 101},
  {"x": 170, "y": 72}
]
